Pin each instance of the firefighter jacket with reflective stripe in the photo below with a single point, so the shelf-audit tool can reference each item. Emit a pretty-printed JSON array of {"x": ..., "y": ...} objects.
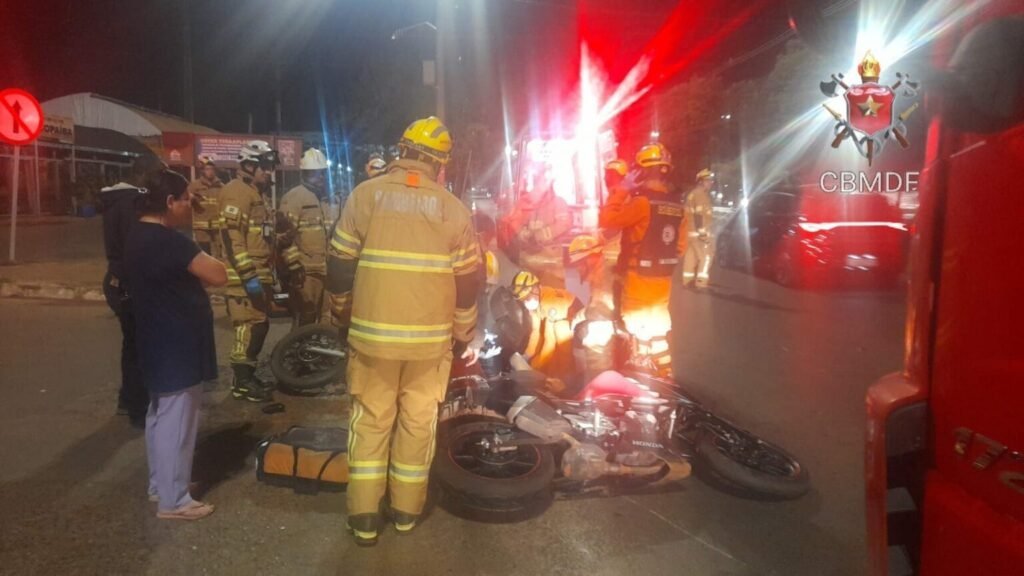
[
  {"x": 246, "y": 231},
  {"x": 699, "y": 212},
  {"x": 305, "y": 243},
  {"x": 207, "y": 216},
  {"x": 541, "y": 225},
  {"x": 402, "y": 266},
  {"x": 643, "y": 215}
]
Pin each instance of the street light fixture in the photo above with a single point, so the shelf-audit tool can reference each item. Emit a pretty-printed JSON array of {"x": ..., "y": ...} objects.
[
  {"x": 401, "y": 31},
  {"x": 438, "y": 59}
]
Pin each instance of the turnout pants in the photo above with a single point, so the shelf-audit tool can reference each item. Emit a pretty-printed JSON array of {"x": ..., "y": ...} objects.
[
  {"x": 645, "y": 313},
  {"x": 309, "y": 304},
  {"x": 171, "y": 426},
  {"x": 391, "y": 433},
  {"x": 251, "y": 327},
  {"x": 697, "y": 261}
]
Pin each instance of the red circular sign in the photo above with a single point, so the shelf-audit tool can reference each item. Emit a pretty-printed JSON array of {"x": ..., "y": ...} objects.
[{"x": 21, "y": 117}]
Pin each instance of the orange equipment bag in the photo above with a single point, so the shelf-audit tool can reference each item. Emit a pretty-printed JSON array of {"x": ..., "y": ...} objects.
[{"x": 305, "y": 459}]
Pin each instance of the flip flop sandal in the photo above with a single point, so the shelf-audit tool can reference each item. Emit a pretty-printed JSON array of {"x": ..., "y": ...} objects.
[
  {"x": 193, "y": 511},
  {"x": 192, "y": 487}
]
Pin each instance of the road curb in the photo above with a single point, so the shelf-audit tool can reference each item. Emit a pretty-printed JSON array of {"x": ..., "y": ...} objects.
[
  {"x": 58, "y": 291},
  {"x": 50, "y": 291}
]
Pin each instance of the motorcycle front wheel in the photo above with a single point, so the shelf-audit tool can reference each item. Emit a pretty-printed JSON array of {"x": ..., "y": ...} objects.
[
  {"x": 487, "y": 480},
  {"x": 753, "y": 465},
  {"x": 296, "y": 363}
]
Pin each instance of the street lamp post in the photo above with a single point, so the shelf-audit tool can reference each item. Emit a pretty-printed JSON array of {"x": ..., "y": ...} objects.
[{"x": 438, "y": 59}]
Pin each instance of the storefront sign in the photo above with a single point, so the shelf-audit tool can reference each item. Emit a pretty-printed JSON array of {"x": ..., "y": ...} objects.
[
  {"x": 58, "y": 129},
  {"x": 289, "y": 150},
  {"x": 223, "y": 148}
]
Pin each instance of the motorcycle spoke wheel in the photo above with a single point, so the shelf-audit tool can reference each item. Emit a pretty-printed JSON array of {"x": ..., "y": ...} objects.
[
  {"x": 470, "y": 452},
  {"x": 298, "y": 367},
  {"x": 752, "y": 465},
  {"x": 476, "y": 476}
]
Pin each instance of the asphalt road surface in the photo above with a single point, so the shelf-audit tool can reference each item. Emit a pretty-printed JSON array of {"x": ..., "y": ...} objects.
[{"x": 791, "y": 366}]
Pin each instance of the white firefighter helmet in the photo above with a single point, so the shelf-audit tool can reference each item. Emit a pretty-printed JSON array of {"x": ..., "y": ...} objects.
[
  {"x": 313, "y": 159},
  {"x": 258, "y": 152}
]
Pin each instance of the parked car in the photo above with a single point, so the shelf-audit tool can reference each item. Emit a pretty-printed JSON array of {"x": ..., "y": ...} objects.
[{"x": 801, "y": 237}]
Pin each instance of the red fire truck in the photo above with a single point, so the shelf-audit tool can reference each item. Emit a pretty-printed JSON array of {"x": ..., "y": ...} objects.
[{"x": 945, "y": 437}]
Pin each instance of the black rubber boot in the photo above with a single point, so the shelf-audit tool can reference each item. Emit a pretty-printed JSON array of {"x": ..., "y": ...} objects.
[
  {"x": 404, "y": 523},
  {"x": 364, "y": 528},
  {"x": 246, "y": 387},
  {"x": 265, "y": 385}
]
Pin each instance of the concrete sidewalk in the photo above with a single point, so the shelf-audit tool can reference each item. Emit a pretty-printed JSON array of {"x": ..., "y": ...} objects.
[
  {"x": 67, "y": 280},
  {"x": 57, "y": 257}
]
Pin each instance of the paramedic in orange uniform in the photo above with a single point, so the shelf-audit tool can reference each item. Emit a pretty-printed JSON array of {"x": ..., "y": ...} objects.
[{"x": 653, "y": 225}]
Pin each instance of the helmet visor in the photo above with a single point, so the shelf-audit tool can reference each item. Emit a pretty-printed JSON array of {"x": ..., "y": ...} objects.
[{"x": 269, "y": 161}]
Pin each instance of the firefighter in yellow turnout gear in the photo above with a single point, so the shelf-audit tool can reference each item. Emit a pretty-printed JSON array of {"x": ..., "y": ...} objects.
[
  {"x": 402, "y": 273},
  {"x": 303, "y": 240},
  {"x": 700, "y": 246},
  {"x": 206, "y": 208},
  {"x": 246, "y": 233}
]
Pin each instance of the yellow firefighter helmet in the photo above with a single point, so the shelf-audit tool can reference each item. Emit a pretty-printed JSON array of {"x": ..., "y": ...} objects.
[
  {"x": 430, "y": 137},
  {"x": 492, "y": 267},
  {"x": 618, "y": 166},
  {"x": 654, "y": 154},
  {"x": 524, "y": 283},
  {"x": 705, "y": 174},
  {"x": 582, "y": 246}
]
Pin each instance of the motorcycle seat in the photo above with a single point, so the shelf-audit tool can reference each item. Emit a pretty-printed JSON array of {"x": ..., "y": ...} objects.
[{"x": 611, "y": 382}]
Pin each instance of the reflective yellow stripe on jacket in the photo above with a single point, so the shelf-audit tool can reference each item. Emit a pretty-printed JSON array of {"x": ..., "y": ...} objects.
[
  {"x": 400, "y": 333},
  {"x": 345, "y": 243},
  {"x": 405, "y": 261}
]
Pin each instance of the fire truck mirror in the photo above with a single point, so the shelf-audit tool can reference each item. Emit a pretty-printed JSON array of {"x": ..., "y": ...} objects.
[{"x": 984, "y": 89}]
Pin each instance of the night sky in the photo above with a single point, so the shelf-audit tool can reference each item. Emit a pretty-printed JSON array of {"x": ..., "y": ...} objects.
[{"x": 337, "y": 63}]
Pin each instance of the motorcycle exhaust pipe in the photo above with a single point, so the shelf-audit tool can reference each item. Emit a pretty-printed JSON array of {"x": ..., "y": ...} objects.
[{"x": 538, "y": 418}]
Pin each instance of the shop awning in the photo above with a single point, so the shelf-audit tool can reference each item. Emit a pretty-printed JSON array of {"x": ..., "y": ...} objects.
[{"x": 95, "y": 111}]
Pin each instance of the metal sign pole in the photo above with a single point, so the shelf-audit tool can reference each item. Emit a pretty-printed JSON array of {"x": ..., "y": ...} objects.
[
  {"x": 37, "y": 200},
  {"x": 14, "y": 199}
]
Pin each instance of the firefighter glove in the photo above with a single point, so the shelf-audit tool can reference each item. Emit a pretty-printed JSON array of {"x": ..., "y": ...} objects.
[{"x": 253, "y": 286}]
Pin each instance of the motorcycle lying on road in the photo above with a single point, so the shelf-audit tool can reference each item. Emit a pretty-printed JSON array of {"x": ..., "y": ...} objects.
[{"x": 507, "y": 438}]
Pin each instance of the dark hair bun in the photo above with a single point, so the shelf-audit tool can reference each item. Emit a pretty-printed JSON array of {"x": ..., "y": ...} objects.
[{"x": 158, "y": 186}]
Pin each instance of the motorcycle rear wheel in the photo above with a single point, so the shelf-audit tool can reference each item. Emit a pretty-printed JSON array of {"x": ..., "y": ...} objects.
[
  {"x": 491, "y": 482},
  {"x": 754, "y": 466},
  {"x": 298, "y": 368}
]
